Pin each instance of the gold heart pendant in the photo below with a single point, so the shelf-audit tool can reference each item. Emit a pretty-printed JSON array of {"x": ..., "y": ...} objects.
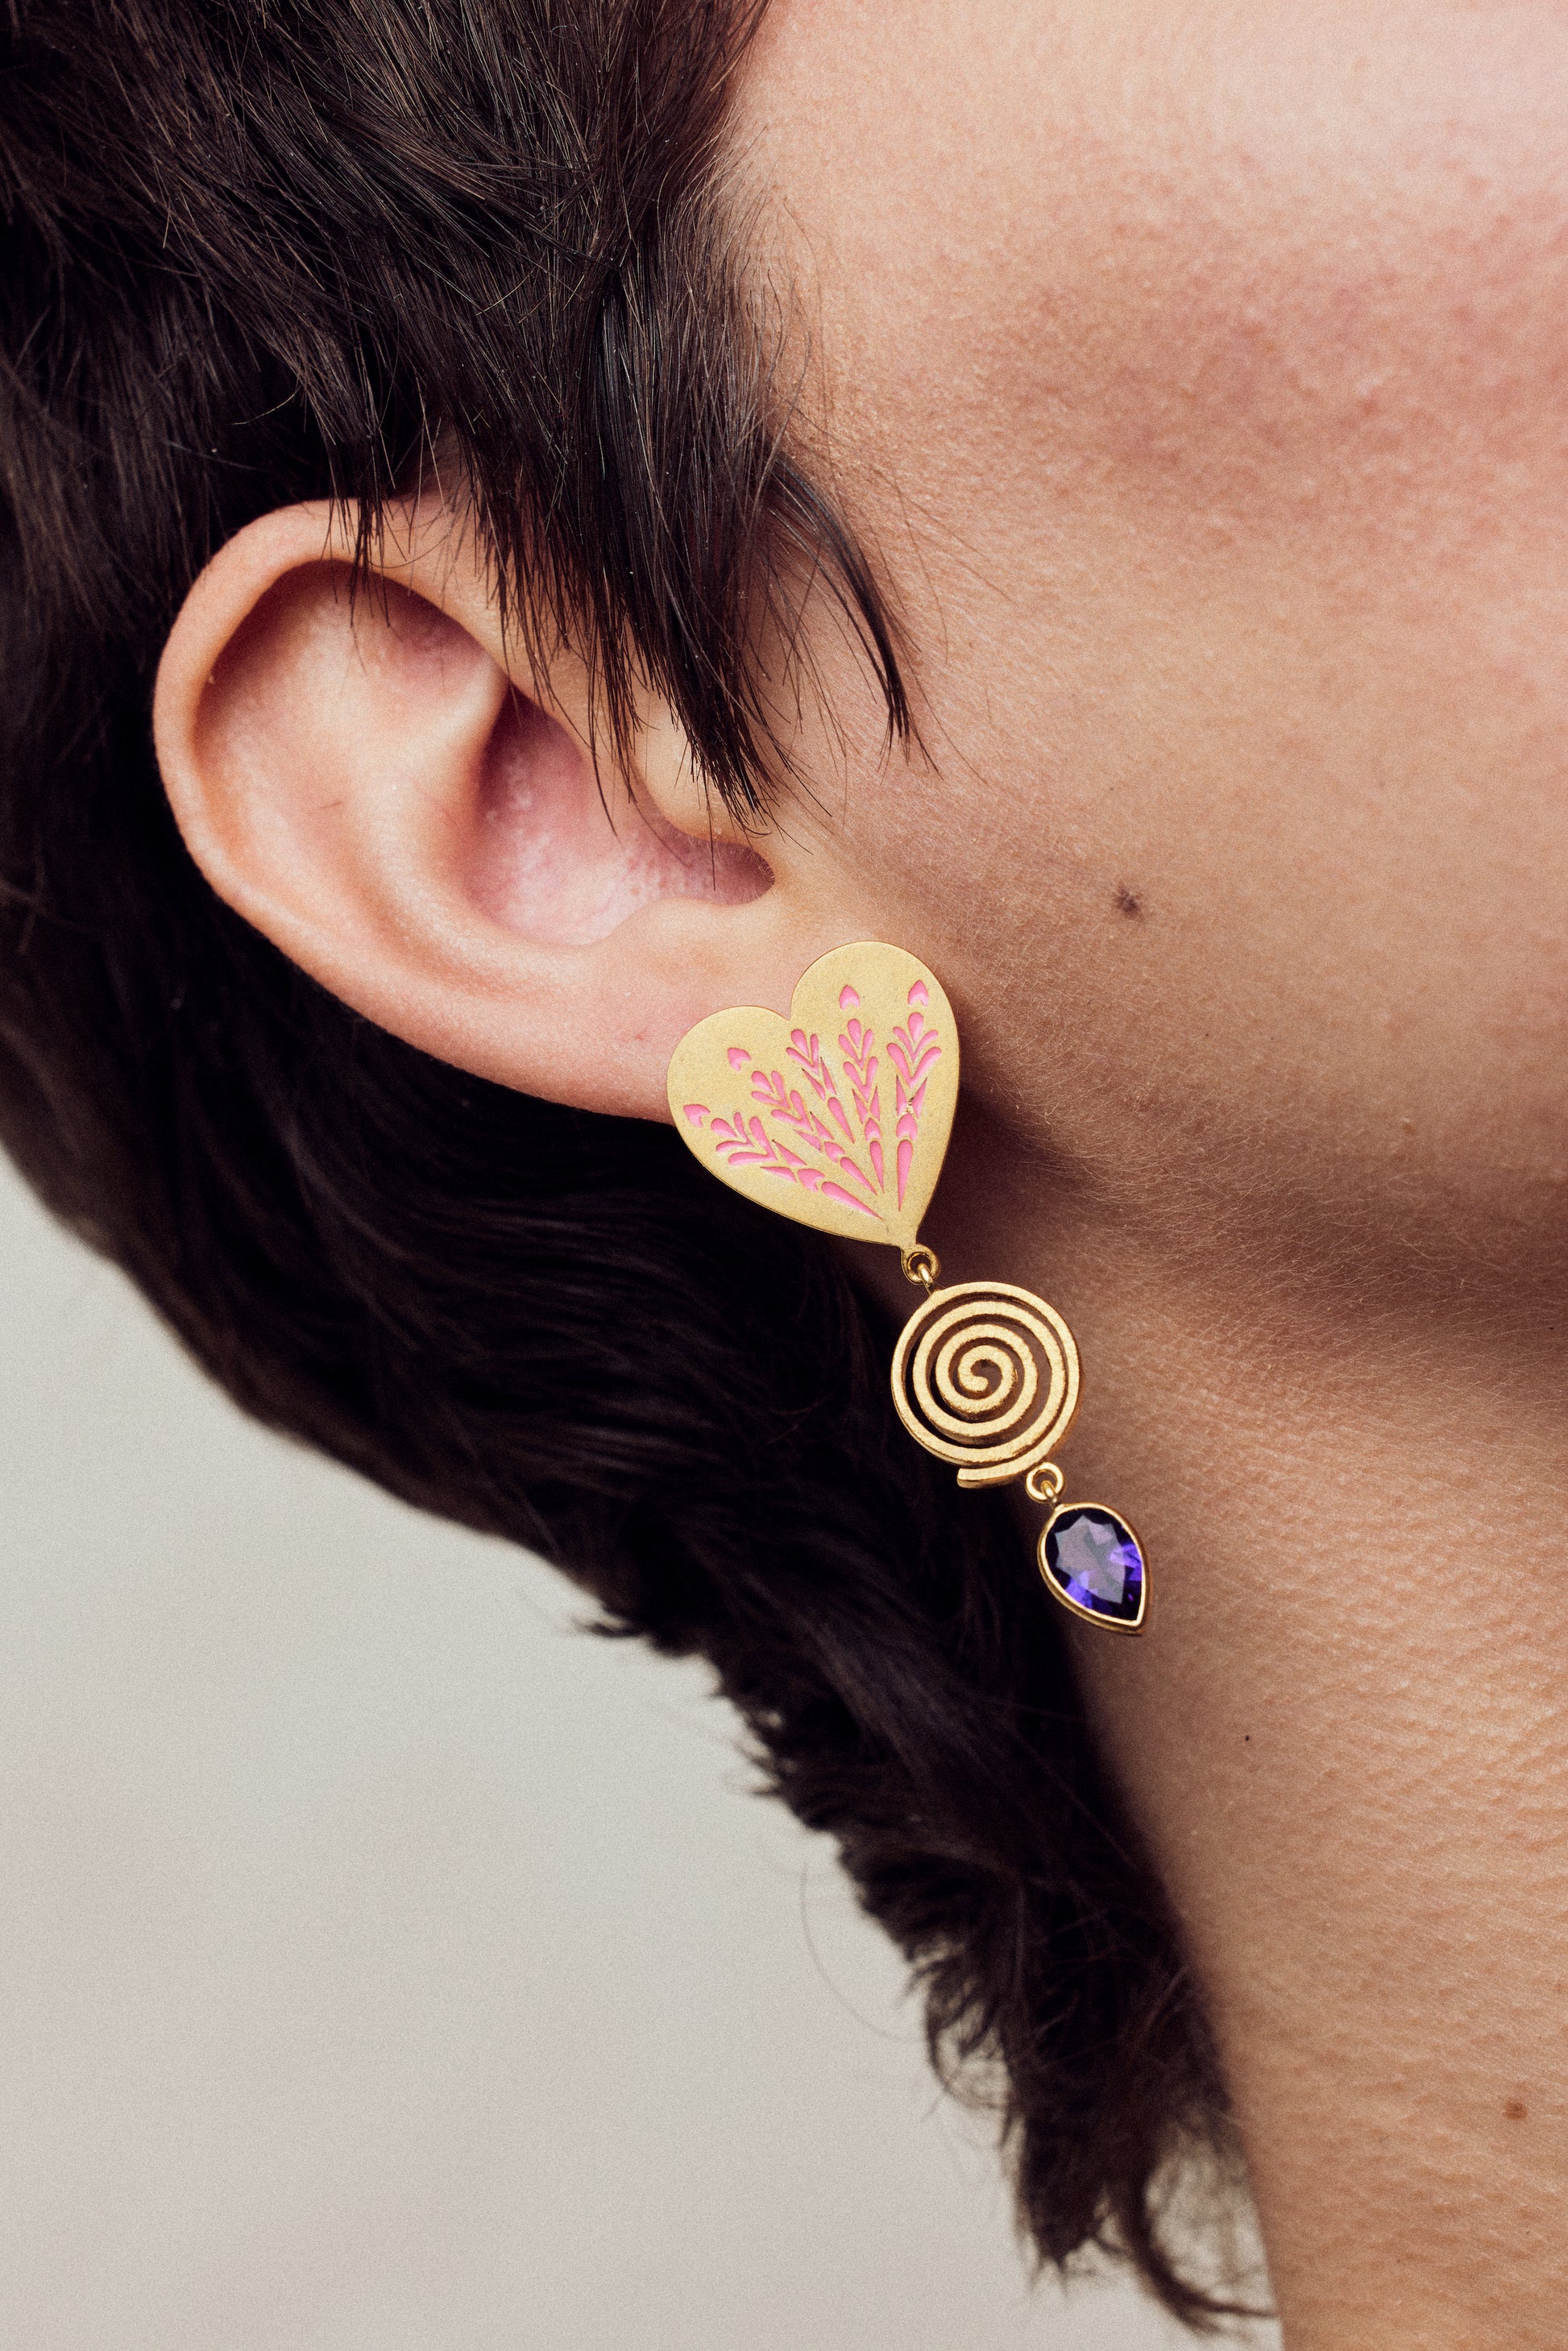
[{"x": 839, "y": 1115}]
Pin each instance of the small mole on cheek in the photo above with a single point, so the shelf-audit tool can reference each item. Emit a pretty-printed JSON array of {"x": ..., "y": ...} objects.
[
  {"x": 1515, "y": 2109},
  {"x": 1126, "y": 901}
]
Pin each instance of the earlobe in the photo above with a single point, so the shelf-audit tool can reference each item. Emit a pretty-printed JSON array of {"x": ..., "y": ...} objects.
[{"x": 358, "y": 772}]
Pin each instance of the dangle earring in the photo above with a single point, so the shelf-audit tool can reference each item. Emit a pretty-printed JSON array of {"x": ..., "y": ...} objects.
[{"x": 839, "y": 1116}]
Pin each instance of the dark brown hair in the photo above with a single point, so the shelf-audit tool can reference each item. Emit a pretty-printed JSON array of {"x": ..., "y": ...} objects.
[{"x": 263, "y": 250}]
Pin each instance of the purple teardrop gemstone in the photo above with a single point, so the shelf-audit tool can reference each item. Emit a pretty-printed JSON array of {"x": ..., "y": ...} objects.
[{"x": 1090, "y": 1559}]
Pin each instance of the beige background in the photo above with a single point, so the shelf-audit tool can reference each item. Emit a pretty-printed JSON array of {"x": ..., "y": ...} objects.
[{"x": 388, "y": 1966}]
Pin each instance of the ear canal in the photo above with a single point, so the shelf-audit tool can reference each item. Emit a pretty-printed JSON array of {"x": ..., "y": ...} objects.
[{"x": 556, "y": 859}]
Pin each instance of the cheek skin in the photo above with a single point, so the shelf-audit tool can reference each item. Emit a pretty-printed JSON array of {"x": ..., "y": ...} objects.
[{"x": 1198, "y": 374}]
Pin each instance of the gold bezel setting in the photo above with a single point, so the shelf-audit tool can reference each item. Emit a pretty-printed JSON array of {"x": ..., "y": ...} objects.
[{"x": 1104, "y": 1619}]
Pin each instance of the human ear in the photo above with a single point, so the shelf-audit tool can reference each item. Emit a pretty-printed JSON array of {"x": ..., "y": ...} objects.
[{"x": 359, "y": 769}]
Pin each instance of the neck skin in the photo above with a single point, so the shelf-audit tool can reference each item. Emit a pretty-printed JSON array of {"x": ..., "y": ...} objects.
[{"x": 1343, "y": 1735}]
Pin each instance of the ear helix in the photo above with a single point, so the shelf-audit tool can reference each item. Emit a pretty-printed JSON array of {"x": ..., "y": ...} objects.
[{"x": 839, "y": 1117}]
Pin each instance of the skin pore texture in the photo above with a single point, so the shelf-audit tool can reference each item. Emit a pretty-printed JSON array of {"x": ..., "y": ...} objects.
[{"x": 1197, "y": 374}]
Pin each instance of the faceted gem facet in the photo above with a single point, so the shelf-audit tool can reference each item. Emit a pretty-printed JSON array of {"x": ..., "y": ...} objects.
[{"x": 1090, "y": 1559}]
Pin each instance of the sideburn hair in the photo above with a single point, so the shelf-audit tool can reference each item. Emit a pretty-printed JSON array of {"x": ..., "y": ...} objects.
[{"x": 261, "y": 251}]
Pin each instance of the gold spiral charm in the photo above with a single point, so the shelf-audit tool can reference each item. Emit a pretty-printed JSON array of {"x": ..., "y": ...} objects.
[{"x": 986, "y": 1376}]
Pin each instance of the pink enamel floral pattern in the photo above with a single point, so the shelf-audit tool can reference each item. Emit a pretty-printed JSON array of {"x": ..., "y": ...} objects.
[
  {"x": 822, "y": 1124},
  {"x": 837, "y": 1112}
]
